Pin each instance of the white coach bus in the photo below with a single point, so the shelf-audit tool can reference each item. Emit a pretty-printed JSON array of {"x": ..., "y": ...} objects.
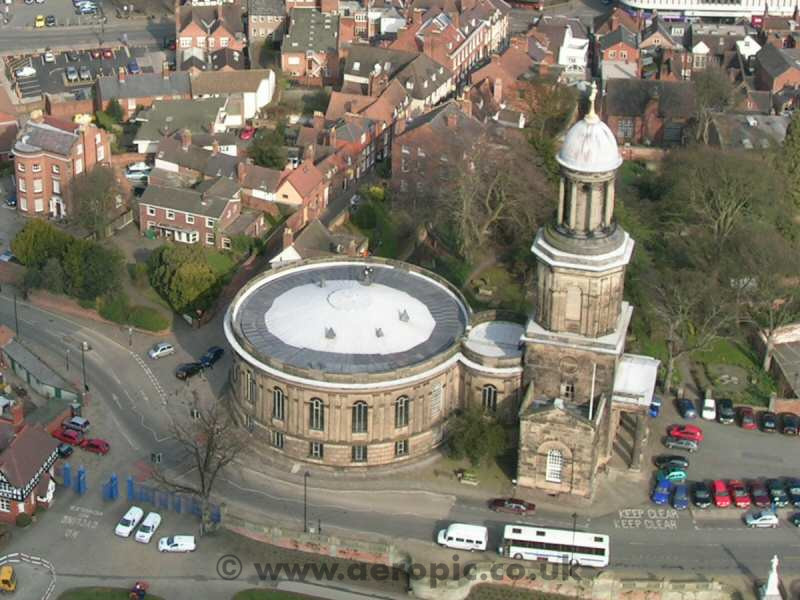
[{"x": 555, "y": 545}]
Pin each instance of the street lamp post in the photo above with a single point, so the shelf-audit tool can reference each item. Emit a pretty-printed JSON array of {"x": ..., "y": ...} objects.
[
  {"x": 16, "y": 318},
  {"x": 572, "y": 553},
  {"x": 130, "y": 336},
  {"x": 305, "y": 501},
  {"x": 67, "y": 359},
  {"x": 83, "y": 364}
]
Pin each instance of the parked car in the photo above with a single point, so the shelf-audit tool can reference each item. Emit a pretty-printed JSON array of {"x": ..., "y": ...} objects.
[
  {"x": 64, "y": 450},
  {"x": 795, "y": 519},
  {"x": 793, "y": 489},
  {"x": 138, "y": 167},
  {"x": 686, "y": 432},
  {"x": 137, "y": 176},
  {"x": 50, "y": 21},
  {"x": 8, "y": 255},
  {"x": 77, "y": 423},
  {"x": 72, "y": 74},
  {"x": 133, "y": 67},
  {"x": 667, "y": 460},
  {"x": 701, "y": 495},
  {"x": 759, "y": 495},
  {"x": 39, "y": 21},
  {"x": 68, "y": 436},
  {"x": 761, "y": 518},
  {"x": 95, "y": 52},
  {"x": 87, "y": 8},
  {"x": 769, "y": 422},
  {"x": 661, "y": 492},
  {"x": 247, "y": 133},
  {"x": 512, "y": 505},
  {"x": 747, "y": 418},
  {"x": 49, "y": 57},
  {"x": 777, "y": 493},
  {"x": 725, "y": 412},
  {"x": 674, "y": 443},
  {"x": 671, "y": 474},
  {"x": 160, "y": 350},
  {"x": 177, "y": 543},
  {"x": 680, "y": 498},
  {"x": 790, "y": 424},
  {"x": 169, "y": 43},
  {"x": 26, "y": 71},
  {"x": 129, "y": 521},
  {"x": 108, "y": 54},
  {"x": 148, "y": 527},
  {"x": 686, "y": 408},
  {"x": 187, "y": 370},
  {"x": 719, "y": 491},
  {"x": 85, "y": 73},
  {"x": 739, "y": 493},
  {"x": 709, "y": 411},
  {"x": 71, "y": 55},
  {"x": 211, "y": 356},
  {"x": 96, "y": 446}
]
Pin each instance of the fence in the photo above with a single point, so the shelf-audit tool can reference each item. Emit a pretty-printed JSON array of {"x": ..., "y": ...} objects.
[
  {"x": 180, "y": 503},
  {"x": 18, "y": 557}
]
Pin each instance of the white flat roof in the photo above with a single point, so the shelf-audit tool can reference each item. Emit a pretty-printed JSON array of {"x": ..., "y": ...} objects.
[{"x": 496, "y": 339}]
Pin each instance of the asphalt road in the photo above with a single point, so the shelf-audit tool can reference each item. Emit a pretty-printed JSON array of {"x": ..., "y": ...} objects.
[{"x": 140, "y": 396}]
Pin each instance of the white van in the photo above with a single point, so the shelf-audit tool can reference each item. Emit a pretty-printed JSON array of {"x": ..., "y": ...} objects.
[{"x": 464, "y": 537}]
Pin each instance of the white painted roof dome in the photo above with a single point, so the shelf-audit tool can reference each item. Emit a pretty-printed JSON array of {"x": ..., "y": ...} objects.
[{"x": 589, "y": 145}]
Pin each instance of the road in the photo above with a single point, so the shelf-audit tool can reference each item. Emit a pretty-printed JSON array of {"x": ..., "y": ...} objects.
[
  {"x": 140, "y": 398},
  {"x": 139, "y": 33}
]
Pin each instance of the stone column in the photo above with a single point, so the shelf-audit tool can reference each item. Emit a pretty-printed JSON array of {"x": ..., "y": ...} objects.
[
  {"x": 639, "y": 439},
  {"x": 573, "y": 204},
  {"x": 561, "y": 200},
  {"x": 609, "y": 202}
]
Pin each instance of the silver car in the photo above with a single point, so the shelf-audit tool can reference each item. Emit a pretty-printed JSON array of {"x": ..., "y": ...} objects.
[
  {"x": 761, "y": 518},
  {"x": 680, "y": 444},
  {"x": 160, "y": 350},
  {"x": 72, "y": 74}
]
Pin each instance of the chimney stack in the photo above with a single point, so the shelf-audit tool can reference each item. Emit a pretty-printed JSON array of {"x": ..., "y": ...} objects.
[
  {"x": 165, "y": 70},
  {"x": 451, "y": 120},
  {"x": 498, "y": 90},
  {"x": 121, "y": 74},
  {"x": 186, "y": 139},
  {"x": 215, "y": 148},
  {"x": 288, "y": 237}
]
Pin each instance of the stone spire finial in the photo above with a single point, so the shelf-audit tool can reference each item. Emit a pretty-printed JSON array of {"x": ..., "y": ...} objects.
[{"x": 591, "y": 115}]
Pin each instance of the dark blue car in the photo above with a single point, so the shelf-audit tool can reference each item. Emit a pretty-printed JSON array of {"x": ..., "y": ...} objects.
[
  {"x": 686, "y": 408},
  {"x": 662, "y": 492},
  {"x": 211, "y": 356},
  {"x": 680, "y": 498},
  {"x": 134, "y": 68}
]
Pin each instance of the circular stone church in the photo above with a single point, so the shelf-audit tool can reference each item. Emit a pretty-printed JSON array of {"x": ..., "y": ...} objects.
[{"x": 359, "y": 362}]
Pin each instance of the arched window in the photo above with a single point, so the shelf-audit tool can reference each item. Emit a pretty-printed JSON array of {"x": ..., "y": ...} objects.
[
  {"x": 554, "y": 467},
  {"x": 316, "y": 412},
  {"x": 252, "y": 388},
  {"x": 401, "y": 412},
  {"x": 360, "y": 417},
  {"x": 489, "y": 396},
  {"x": 278, "y": 404}
]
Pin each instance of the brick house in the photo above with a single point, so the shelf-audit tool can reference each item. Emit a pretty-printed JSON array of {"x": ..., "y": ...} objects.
[
  {"x": 26, "y": 468},
  {"x": 306, "y": 189},
  {"x": 316, "y": 240},
  {"x": 47, "y": 155},
  {"x": 178, "y": 158},
  {"x": 620, "y": 45},
  {"x": 259, "y": 187},
  {"x": 206, "y": 29},
  {"x": 266, "y": 21},
  {"x": 777, "y": 68},
  {"x": 608, "y": 22},
  {"x": 662, "y": 51},
  {"x": 9, "y": 127},
  {"x": 134, "y": 91},
  {"x": 503, "y": 74},
  {"x": 310, "y": 50},
  {"x": 649, "y": 112}
]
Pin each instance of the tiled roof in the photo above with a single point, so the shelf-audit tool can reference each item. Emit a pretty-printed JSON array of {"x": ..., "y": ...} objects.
[
  {"x": 423, "y": 68},
  {"x": 311, "y": 30},
  {"x": 41, "y": 136},
  {"x": 211, "y": 18},
  {"x": 227, "y": 57},
  {"x": 240, "y": 224},
  {"x": 776, "y": 61},
  {"x": 274, "y": 8},
  {"x": 204, "y": 84},
  {"x": 144, "y": 85},
  {"x": 184, "y": 200},
  {"x": 8, "y": 133},
  {"x": 255, "y": 177},
  {"x": 362, "y": 60},
  {"x": 305, "y": 178},
  {"x": 196, "y": 158},
  {"x": 165, "y": 118},
  {"x": 34, "y": 365},
  {"x": 629, "y": 97},
  {"x": 30, "y": 450},
  {"x": 620, "y": 35}
]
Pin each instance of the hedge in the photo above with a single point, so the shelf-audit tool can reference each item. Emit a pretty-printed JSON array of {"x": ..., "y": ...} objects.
[{"x": 147, "y": 318}]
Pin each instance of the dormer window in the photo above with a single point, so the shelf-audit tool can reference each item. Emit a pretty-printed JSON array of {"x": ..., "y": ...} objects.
[{"x": 356, "y": 66}]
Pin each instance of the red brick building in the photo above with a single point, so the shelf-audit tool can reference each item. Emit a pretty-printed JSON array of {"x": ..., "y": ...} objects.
[
  {"x": 8, "y": 133},
  {"x": 47, "y": 155},
  {"x": 777, "y": 68},
  {"x": 310, "y": 50},
  {"x": 620, "y": 46}
]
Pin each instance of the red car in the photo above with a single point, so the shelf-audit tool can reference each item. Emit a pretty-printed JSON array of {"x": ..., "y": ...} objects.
[
  {"x": 758, "y": 492},
  {"x": 247, "y": 133},
  {"x": 739, "y": 493},
  {"x": 747, "y": 418},
  {"x": 68, "y": 436},
  {"x": 686, "y": 432},
  {"x": 95, "y": 445},
  {"x": 95, "y": 53},
  {"x": 512, "y": 505},
  {"x": 722, "y": 499},
  {"x": 108, "y": 53}
]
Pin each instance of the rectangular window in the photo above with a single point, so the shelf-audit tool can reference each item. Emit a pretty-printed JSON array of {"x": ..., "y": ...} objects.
[
  {"x": 37, "y": 186},
  {"x": 190, "y": 219},
  {"x": 437, "y": 394},
  {"x": 359, "y": 454},
  {"x": 22, "y": 185},
  {"x": 210, "y": 222},
  {"x": 56, "y": 186},
  {"x": 20, "y": 167},
  {"x": 226, "y": 244},
  {"x": 401, "y": 448},
  {"x": 224, "y": 42},
  {"x": 186, "y": 42},
  {"x": 316, "y": 450},
  {"x": 38, "y": 205},
  {"x": 79, "y": 150},
  {"x": 23, "y": 203},
  {"x": 170, "y": 215},
  {"x": 277, "y": 439},
  {"x": 278, "y": 404},
  {"x": 36, "y": 167},
  {"x": 625, "y": 129},
  {"x": 623, "y": 54},
  {"x": 210, "y": 239},
  {"x": 101, "y": 152},
  {"x": 151, "y": 211},
  {"x": 97, "y": 138},
  {"x": 5, "y": 505},
  {"x": 78, "y": 166}
]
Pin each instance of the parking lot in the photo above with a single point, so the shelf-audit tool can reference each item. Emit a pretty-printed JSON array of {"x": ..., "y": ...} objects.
[
  {"x": 50, "y": 78},
  {"x": 24, "y": 14},
  {"x": 729, "y": 452}
]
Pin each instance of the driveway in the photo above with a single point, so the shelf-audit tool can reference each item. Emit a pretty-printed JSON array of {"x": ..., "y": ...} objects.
[{"x": 10, "y": 220}]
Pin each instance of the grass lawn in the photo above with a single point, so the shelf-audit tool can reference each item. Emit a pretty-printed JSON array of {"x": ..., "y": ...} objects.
[
  {"x": 507, "y": 291},
  {"x": 734, "y": 353},
  {"x": 220, "y": 262},
  {"x": 101, "y": 593},
  {"x": 498, "y": 592},
  {"x": 257, "y": 594}
]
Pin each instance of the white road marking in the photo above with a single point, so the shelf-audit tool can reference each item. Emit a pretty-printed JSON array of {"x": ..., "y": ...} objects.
[{"x": 122, "y": 431}]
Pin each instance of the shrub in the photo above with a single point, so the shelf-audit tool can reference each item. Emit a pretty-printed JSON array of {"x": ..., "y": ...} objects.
[
  {"x": 365, "y": 217},
  {"x": 147, "y": 318},
  {"x": 86, "y": 303},
  {"x": 138, "y": 274},
  {"x": 114, "y": 307},
  {"x": 23, "y": 520}
]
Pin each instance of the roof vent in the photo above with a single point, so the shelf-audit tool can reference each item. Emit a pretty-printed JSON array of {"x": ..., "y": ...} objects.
[
  {"x": 404, "y": 316},
  {"x": 330, "y": 333},
  {"x": 379, "y": 332}
]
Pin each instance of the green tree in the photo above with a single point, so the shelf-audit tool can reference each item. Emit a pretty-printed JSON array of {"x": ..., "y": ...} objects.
[
  {"x": 114, "y": 110},
  {"x": 269, "y": 147},
  {"x": 53, "y": 276},
  {"x": 94, "y": 195},
  {"x": 91, "y": 269},
  {"x": 476, "y": 436},
  {"x": 37, "y": 241},
  {"x": 182, "y": 276},
  {"x": 788, "y": 159}
]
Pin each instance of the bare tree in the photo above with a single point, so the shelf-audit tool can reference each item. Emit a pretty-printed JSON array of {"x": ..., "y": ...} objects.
[
  {"x": 689, "y": 314},
  {"x": 713, "y": 92},
  {"x": 210, "y": 441}
]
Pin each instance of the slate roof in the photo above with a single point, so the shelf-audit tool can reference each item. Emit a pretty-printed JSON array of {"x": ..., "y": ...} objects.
[
  {"x": 620, "y": 35},
  {"x": 366, "y": 57},
  {"x": 206, "y": 84},
  {"x": 41, "y": 136},
  {"x": 145, "y": 85},
  {"x": 227, "y": 57},
  {"x": 274, "y": 8},
  {"x": 418, "y": 71},
  {"x": 309, "y": 29},
  {"x": 317, "y": 240},
  {"x": 629, "y": 97},
  {"x": 750, "y": 132},
  {"x": 776, "y": 61},
  {"x": 34, "y": 366},
  {"x": 165, "y": 118},
  {"x": 29, "y": 451},
  {"x": 8, "y": 133},
  {"x": 255, "y": 177},
  {"x": 184, "y": 200},
  {"x": 211, "y": 18},
  {"x": 304, "y": 179},
  {"x": 240, "y": 224},
  {"x": 196, "y": 158}
]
